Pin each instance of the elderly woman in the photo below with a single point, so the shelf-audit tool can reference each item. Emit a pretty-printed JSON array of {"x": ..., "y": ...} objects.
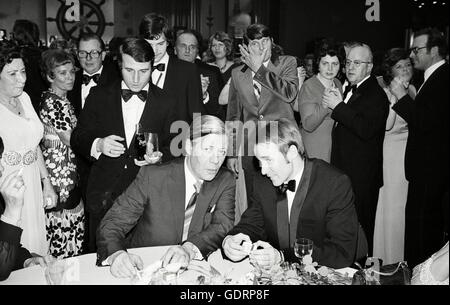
[
  {"x": 316, "y": 121},
  {"x": 65, "y": 223},
  {"x": 21, "y": 131},
  {"x": 390, "y": 216}
]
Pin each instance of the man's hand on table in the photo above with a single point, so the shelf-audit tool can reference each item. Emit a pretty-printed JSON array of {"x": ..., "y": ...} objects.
[
  {"x": 124, "y": 264},
  {"x": 42, "y": 261},
  {"x": 234, "y": 248},
  {"x": 178, "y": 254},
  {"x": 266, "y": 256}
]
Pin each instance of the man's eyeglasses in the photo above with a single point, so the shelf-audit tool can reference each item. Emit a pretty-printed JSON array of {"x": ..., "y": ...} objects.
[
  {"x": 415, "y": 50},
  {"x": 92, "y": 54},
  {"x": 357, "y": 63}
]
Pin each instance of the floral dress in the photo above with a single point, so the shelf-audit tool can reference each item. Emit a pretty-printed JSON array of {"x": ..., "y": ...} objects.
[{"x": 65, "y": 223}]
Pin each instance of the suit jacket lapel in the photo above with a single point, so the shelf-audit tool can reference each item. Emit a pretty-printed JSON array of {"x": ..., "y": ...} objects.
[
  {"x": 201, "y": 206},
  {"x": 299, "y": 199},
  {"x": 282, "y": 221},
  {"x": 116, "y": 99},
  {"x": 248, "y": 91},
  {"x": 265, "y": 93},
  {"x": 177, "y": 189}
]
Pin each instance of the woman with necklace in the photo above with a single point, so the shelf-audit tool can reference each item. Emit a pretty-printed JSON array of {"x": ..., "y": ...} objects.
[
  {"x": 21, "y": 131},
  {"x": 316, "y": 121},
  {"x": 65, "y": 223}
]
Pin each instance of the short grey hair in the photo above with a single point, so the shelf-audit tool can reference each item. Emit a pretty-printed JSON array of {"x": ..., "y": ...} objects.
[{"x": 205, "y": 124}]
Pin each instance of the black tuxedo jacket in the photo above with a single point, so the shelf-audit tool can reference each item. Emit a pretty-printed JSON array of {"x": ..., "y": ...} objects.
[
  {"x": 102, "y": 116},
  {"x": 153, "y": 208},
  {"x": 427, "y": 153},
  {"x": 183, "y": 83},
  {"x": 109, "y": 75},
  {"x": 215, "y": 87},
  {"x": 357, "y": 139},
  {"x": 323, "y": 210}
]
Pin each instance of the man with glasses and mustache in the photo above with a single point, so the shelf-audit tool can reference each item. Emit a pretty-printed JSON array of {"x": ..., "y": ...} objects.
[
  {"x": 358, "y": 134},
  {"x": 427, "y": 153}
]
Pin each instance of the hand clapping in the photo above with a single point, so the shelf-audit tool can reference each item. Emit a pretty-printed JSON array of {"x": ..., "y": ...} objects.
[{"x": 331, "y": 98}]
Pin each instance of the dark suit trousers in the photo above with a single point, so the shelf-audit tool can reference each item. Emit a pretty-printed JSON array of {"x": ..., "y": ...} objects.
[{"x": 424, "y": 220}]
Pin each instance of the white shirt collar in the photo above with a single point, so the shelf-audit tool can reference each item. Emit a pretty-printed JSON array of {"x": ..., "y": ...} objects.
[
  {"x": 124, "y": 86},
  {"x": 190, "y": 179},
  {"x": 164, "y": 60},
  {"x": 432, "y": 68},
  {"x": 98, "y": 72},
  {"x": 297, "y": 180},
  {"x": 358, "y": 84}
]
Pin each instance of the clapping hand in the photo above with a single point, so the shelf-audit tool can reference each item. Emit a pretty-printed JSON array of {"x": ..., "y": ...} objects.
[
  {"x": 398, "y": 87},
  {"x": 331, "y": 98},
  {"x": 234, "y": 248}
]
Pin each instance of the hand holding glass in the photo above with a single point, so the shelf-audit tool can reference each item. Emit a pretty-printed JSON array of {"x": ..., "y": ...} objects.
[{"x": 303, "y": 247}]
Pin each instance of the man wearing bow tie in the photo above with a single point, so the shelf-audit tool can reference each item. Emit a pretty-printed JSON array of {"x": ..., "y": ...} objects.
[
  {"x": 106, "y": 128},
  {"x": 174, "y": 76},
  {"x": 95, "y": 70},
  {"x": 300, "y": 197},
  {"x": 358, "y": 134}
]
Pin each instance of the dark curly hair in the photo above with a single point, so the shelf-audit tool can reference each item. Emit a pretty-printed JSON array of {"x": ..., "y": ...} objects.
[
  {"x": 323, "y": 49},
  {"x": 53, "y": 58},
  {"x": 258, "y": 31},
  {"x": 392, "y": 57},
  {"x": 26, "y": 32},
  {"x": 8, "y": 52}
]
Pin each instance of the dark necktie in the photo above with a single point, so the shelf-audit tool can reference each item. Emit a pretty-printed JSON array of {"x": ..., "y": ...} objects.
[
  {"x": 127, "y": 94},
  {"x": 347, "y": 90},
  {"x": 287, "y": 186},
  {"x": 87, "y": 78},
  {"x": 189, "y": 212},
  {"x": 160, "y": 67}
]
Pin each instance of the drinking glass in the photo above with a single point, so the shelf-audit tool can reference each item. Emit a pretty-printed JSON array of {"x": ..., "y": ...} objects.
[
  {"x": 146, "y": 143},
  {"x": 55, "y": 272},
  {"x": 303, "y": 247}
]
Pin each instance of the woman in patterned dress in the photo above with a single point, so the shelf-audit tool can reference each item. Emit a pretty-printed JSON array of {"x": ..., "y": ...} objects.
[{"x": 65, "y": 223}]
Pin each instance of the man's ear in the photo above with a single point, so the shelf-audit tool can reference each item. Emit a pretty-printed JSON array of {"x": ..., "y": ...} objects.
[
  {"x": 434, "y": 51},
  {"x": 292, "y": 153}
]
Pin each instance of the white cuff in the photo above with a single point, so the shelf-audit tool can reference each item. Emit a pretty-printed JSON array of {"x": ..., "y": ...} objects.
[
  {"x": 94, "y": 153},
  {"x": 206, "y": 99},
  {"x": 197, "y": 254}
]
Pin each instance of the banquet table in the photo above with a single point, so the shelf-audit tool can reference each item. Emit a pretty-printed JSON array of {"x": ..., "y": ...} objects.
[{"x": 83, "y": 270}]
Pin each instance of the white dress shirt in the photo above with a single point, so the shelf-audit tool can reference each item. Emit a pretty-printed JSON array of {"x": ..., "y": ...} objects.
[
  {"x": 349, "y": 95},
  {"x": 160, "y": 75},
  {"x": 132, "y": 112},
  {"x": 291, "y": 195},
  {"x": 85, "y": 89}
]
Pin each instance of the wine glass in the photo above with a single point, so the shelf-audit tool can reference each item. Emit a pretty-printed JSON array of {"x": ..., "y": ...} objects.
[{"x": 303, "y": 247}]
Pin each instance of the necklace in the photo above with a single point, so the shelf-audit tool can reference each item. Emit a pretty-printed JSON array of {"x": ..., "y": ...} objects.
[
  {"x": 13, "y": 105},
  {"x": 223, "y": 67}
]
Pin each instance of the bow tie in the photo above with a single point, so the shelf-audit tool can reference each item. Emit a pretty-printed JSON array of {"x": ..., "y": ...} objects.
[
  {"x": 160, "y": 67},
  {"x": 87, "y": 78},
  {"x": 287, "y": 186},
  {"x": 349, "y": 88},
  {"x": 127, "y": 94}
]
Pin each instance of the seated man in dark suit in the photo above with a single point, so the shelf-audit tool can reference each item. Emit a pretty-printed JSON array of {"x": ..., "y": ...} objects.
[
  {"x": 12, "y": 255},
  {"x": 188, "y": 202},
  {"x": 318, "y": 205}
]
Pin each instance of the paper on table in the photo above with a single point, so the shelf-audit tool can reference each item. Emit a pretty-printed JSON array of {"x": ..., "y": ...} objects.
[{"x": 229, "y": 269}]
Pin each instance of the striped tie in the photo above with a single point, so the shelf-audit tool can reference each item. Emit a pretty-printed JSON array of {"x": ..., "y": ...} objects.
[
  {"x": 190, "y": 211},
  {"x": 257, "y": 90}
]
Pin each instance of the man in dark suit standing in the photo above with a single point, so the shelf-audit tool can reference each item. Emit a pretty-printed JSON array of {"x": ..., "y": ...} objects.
[
  {"x": 358, "y": 134},
  {"x": 427, "y": 154},
  {"x": 187, "y": 49},
  {"x": 174, "y": 76},
  {"x": 189, "y": 201},
  {"x": 106, "y": 128},
  {"x": 94, "y": 70},
  {"x": 300, "y": 197}
]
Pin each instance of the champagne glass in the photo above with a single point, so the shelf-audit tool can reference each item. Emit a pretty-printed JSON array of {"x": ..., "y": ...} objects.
[
  {"x": 152, "y": 146},
  {"x": 140, "y": 144},
  {"x": 303, "y": 247}
]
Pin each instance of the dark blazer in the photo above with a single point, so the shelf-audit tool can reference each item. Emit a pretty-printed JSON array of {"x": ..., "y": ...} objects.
[
  {"x": 215, "y": 87},
  {"x": 279, "y": 88},
  {"x": 101, "y": 117},
  {"x": 12, "y": 254},
  {"x": 427, "y": 153},
  {"x": 357, "y": 139},
  {"x": 109, "y": 75},
  {"x": 154, "y": 205},
  {"x": 183, "y": 82},
  {"x": 323, "y": 210}
]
